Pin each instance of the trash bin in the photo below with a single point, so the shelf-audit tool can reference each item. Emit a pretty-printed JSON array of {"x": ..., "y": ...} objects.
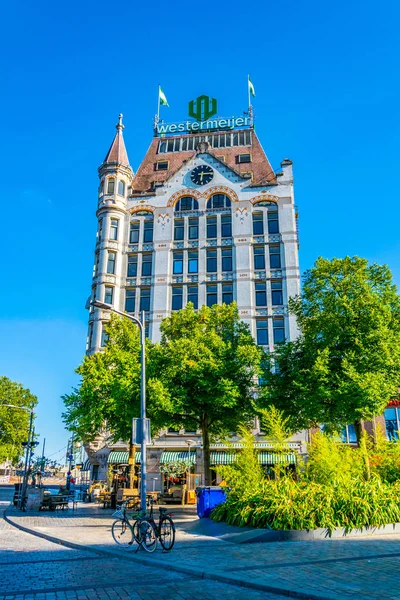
[{"x": 208, "y": 498}]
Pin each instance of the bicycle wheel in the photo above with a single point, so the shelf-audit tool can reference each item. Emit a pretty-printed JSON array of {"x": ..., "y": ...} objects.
[
  {"x": 122, "y": 533},
  {"x": 148, "y": 535},
  {"x": 167, "y": 533}
]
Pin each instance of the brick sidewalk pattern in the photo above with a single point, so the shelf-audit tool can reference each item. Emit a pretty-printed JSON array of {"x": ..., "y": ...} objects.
[{"x": 362, "y": 568}]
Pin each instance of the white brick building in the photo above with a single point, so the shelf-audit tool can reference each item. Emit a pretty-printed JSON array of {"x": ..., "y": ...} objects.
[{"x": 204, "y": 219}]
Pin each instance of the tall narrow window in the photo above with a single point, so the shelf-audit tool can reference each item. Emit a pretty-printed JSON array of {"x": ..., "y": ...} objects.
[
  {"x": 261, "y": 294},
  {"x": 101, "y": 187},
  {"x": 258, "y": 223},
  {"x": 226, "y": 259},
  {"x": 179, "y": 229},
  {"x": 193, "y": 261},
  {"x": 114, "y": 229},
  {"x": 277, "y": 295},
  {"x": 279, "y": 330},
  {"x": 273, "y": 222},
  {"x": 177, "y": 268},
  {"x": 144, "y": 299},
  {"x": 212, "y": 295},
  {"x": 130, "y": 298},
  {"x": 110, "y": 186},
  {"x": 134, "y": 232},
  {"x": 193, "y": 228},
  {"x": 147, "y": 261},
  {"x": 104, "y": 335},
  {"x": 100, "y": 236},
  {"x": 108, "y": 294},
  {"x": 96, "y": 264},
  {"x": 132, "y": 265},
  {"x": 111, "y": 263},
  {"x": 262, "y": 332},
  {"x": 211, "y": 227},
  {"x": 226, "y": 226},
  {"x": 211, "y": 261},
  {"x": 148, "y": 231},
  {"x": 177, "y": 297},
  {"x": 90, "y": 336},
  {"x": 227, "y": 293},
  {"x": 275, "y": 257},
  {"x": 259, "y": 258},
  {"x": 193, "y": 295},
  {"x": 121, "y": 188}
]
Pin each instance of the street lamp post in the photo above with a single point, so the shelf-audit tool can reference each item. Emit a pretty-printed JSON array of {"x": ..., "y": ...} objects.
[
  {"x": 189, "y": 443},
  {"x": 28, "y": 449},
  {"x": 143, "y": 441}
]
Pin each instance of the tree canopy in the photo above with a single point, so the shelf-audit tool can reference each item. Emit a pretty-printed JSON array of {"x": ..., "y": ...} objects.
[
  {"x": 203, "y": 372},
  {"x": 345, "y": 365},
  {"x": 14, "y": 423},
  {"x": 108, "y": 396}
]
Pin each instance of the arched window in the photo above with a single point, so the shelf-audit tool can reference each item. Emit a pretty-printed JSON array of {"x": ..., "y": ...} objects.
[
  {"x": 187, "y": 203},
  {"x": 101, "y": 188},
  {"x": 218, "y": 201},
  {"x": 121, "y": 188},
  {"x": 265, "y": 203},
  {"x": 110, "y": 186}
]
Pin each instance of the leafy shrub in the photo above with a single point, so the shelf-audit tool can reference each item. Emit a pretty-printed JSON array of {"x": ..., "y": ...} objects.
[
  {"x": 339, "y": 487},
  {"x": 287, "y": 504}
]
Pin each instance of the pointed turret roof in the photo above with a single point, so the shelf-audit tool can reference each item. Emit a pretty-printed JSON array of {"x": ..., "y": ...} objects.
[{"x": 117, "y": 152}]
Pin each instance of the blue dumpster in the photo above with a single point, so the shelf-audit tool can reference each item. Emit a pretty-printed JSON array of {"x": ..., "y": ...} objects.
[{"x": 208, "y": 498}]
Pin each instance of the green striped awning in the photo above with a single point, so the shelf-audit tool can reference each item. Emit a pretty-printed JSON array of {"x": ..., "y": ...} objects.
[
  {"x": 273, "y": 458},
  {"x": 264, "y": 458},
  {"x": 170, "y": 457},
  {"x": 121, "y": 458}
]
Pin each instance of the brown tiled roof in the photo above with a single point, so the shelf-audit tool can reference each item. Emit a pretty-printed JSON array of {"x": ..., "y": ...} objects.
[
  {"x": 117, "y": 152},
  {"x": 262, "y": 172}
]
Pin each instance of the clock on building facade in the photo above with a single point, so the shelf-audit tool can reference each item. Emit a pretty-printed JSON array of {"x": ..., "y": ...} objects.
[{"x": 202, "y": 175}]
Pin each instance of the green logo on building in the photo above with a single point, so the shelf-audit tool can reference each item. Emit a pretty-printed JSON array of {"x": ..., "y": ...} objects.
[{"x": 202, "y": 108}]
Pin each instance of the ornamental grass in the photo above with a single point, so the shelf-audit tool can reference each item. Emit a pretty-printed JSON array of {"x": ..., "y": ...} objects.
[{"x": 338, "y": 487}]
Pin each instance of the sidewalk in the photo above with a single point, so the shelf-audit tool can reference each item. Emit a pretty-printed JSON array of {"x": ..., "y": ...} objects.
[{"x": 362, "y": 568}]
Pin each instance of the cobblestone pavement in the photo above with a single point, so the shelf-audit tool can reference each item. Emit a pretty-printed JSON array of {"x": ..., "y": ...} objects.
[
  {"x": 362, "y": 568},
  {"x": 32, "y": 568}
]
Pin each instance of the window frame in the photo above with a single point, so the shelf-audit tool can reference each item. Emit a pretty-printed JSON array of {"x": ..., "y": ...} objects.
[
  {"x": 108, "y": 294},
  {"x": 111, "y": 262}
]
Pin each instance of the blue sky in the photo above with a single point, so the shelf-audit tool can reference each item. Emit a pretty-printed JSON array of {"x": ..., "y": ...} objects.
[{"x": 326, "y": 79}]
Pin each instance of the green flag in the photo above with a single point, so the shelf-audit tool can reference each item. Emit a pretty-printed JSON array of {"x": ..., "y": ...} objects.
[
  {"x": 162, "y": 98},
  {"x": 251, "y": 87}
]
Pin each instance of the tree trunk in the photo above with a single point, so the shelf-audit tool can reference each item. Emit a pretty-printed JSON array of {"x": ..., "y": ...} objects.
[
  {"x": 131, "y": 463},
  {"x": 206, "y": 450},
  {"x": 359, "y": 430}
]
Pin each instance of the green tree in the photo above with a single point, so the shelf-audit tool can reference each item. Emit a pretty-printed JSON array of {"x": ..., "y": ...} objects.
[
  {"x": 14, "y": 423},
  {"x": 345, "y": 366},
  {"x": 203, "y": 372},
  {"x": 108, "y": 397}
]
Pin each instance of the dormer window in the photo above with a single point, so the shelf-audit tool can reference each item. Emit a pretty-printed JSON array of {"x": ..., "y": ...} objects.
[
  {"x": 162, "y": 165},
  {"x": 244, "y": 158},
  {"x": 110, "y": 186},
  {"x": 121, "y": 188}
]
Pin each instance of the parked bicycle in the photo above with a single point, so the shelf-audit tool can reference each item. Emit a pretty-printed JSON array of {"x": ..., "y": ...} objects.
[
  {"x": 143, "y": 529},
  {"x": 164, "y": 530}
]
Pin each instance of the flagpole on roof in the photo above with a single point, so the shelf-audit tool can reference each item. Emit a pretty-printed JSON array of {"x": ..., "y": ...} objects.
[
  {"x": 250, "y": 92},
  {"x": 158, "y": 105}
]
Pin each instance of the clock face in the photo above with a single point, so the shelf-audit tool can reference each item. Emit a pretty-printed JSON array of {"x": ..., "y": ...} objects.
[{"x": 202, "y": 174}]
